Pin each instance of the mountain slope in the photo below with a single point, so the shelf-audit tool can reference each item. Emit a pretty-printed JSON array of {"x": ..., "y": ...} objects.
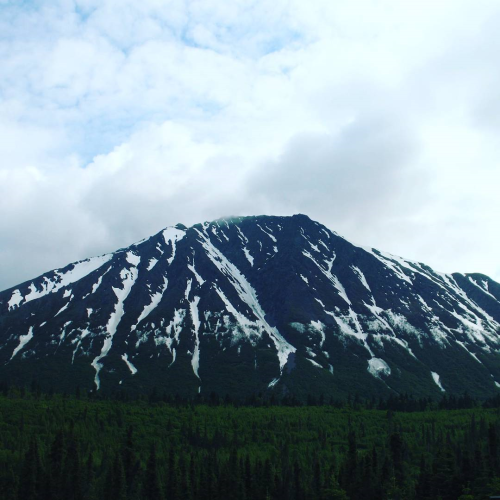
[{"x": 253, "y": 304}]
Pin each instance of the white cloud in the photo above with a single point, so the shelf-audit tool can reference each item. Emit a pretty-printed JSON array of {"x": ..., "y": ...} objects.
[{"x": 379, "y": 119}]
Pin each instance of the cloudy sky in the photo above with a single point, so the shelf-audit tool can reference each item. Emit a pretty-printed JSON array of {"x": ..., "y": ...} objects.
[{"x": 377, "y": 118}]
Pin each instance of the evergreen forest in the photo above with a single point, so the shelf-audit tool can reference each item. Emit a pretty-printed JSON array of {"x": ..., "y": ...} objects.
[{"x": 60, "y": 447}]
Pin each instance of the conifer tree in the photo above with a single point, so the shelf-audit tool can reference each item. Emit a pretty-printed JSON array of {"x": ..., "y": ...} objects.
[
  {"x": 130, "y": 463},
  {"x": 55, "y": 468},
  {"x": 170, "y": 475},
  {"x": 152, "y": 488},
  {"x": 493, "y": 448},
  {"x": 115, "y": 486},
  {"x": 31, "y": 474},
  {"x": 89, "y": 492},
  {"x": 73, "y": 475}
]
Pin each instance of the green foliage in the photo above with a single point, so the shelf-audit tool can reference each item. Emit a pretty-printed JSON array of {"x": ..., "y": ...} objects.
[{"x": 54, "y": 446}]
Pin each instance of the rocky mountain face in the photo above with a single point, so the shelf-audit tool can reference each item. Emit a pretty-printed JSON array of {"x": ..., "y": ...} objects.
[{"x": 253, "y": 304}]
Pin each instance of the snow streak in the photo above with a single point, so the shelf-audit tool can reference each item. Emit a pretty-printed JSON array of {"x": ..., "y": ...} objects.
[
  {"x": 23, "y": 340},
  {"x": 128, "y": 279},
  {"x": 248, "y": 296}
]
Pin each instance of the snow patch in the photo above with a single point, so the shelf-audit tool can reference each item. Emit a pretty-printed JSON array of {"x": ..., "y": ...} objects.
[
  {"x": 470, "y": 307},
  {"x": 199, "y": 279},
  {"x": 63, "y": 308},
  {"x": 435, "y": 377},
  {"x": 248, "y": 296},
  {"x": 377, "y": 367},
  {"x": 361, "y": 277},
  {"x": 241, "y": 236},
  {"x": 152, "y": 263},
  {"x": 133, "y": 259},
  {"x": 23, "y": 340},
  {"x": 387, "y": 260},
  {"x": 486, "y": 291},
  {"x": 314, "y": 247},
  {"x": 61, "y": 280},
  {"x": 128, "y": 279},
  {"x": 404, "y": 344},
  {"x": 248, "y": 256},
  {"x": 193, "y": 309},
  {"x": 320, "y": 303},
  {"x": 462, "y": 344},
  {"x": 172, "y": 235},
  {"x": 273, "y": 382},
  {"x": 311, "y": 352},
  {"x": 319, "y": 327},
  {"x": 131, "y": 367},
  {"x": 343, "y": 321},
  {"x": 15, "y": 300},
  {"x": 63, "y": 332},
  {"x": 155, "y": 300},
  {"x": 83, "y": 334},
  {"x": 331, "y": 277},
  {"x": 323, "y": 245},
  {"x": 175, "y": 326},
  {"x": 269, "y": 234},
  {"x": 95, "y": 286},
  {"x": 314, "y": 363}
]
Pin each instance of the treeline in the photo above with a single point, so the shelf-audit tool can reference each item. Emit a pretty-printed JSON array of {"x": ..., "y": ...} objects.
[
  {"x": 74, "y": 448},
  {"x": 400, "y": 402}
]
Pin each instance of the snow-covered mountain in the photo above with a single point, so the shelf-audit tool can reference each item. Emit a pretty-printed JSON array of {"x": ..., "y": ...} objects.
[{"x": 253, "y": 304}]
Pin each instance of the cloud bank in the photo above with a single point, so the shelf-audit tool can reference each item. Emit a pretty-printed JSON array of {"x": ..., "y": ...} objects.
[{"x": 378, "y": 119}]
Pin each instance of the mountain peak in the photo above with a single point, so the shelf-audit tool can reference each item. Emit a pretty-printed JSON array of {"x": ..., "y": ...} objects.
[{"x": 251, "y": 304}]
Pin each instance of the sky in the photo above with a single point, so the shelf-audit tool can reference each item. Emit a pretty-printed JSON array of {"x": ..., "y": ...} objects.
[{"x": 378, "y": 118}]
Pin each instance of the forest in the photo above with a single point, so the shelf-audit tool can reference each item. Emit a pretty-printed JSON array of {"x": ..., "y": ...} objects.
[{"x": 76, "y": 447}]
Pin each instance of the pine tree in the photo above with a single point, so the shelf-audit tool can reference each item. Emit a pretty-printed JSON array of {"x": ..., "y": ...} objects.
[
  {"x": 423, "y": 488},
  {"x": 73, "y": 475},
  {"x": 317, "y": 479},
  {"x": 444, "y": 480},
  {"x": 30, "y": 485},
  {"x": 115, "y": 486},
  {"x": 297, "y": 480},
  {"x": 8, "y": 482},
  {"x": 349, "y": 471},
  {"x": 130, "y": 463},
  {"x": 396, "y": 446},
  {"x": 493, "y": 448},
  {"x": 248, "y": 477},
  {"x": 466, "y": 495},
  {"x": 89, "y": 492},
  {"x": 152, "y": 489},
  {"x": 333, "y": 491},
  {"x": 170, "y": 475},
  {"x": 55, "y": 486}
]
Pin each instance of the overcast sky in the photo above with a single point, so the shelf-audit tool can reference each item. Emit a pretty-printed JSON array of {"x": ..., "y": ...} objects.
[{"x": 377, "y": 118}]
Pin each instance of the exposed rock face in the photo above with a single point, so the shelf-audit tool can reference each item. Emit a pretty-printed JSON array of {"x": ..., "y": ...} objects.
[{"x": 253, "y": 304}]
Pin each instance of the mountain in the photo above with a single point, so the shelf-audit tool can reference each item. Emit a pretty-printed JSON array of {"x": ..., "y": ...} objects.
[{"x": 253, "y": 304}]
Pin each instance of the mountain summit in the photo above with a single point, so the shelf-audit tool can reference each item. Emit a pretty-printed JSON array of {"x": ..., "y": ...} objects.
[{"x": 253, "y": 304}]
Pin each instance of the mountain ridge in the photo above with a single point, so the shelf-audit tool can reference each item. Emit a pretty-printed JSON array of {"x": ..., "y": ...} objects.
[{"x": 253, "y": 304}]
